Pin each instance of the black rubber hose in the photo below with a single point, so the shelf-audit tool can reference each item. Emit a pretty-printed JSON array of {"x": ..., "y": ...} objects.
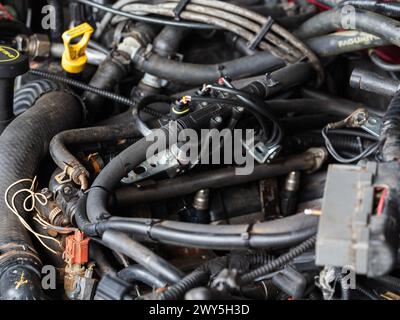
[
  {"x": 388, "y": 9},
  {"x": 58, "y": 7},
  {"x": 278, "y": 262},
  {"x": 168, "y": 40},
  {"x": 108, "y": 74},
  {"x": 280, "y": 80},
  {"x": 258, "y": 63},
  {"x": 366, "y": 21},
  {"x": 130, "y": 158},
  {"x": 282, "y": 233},
  {"x": 273, "y": 234},
  {"x": 81, "y": 219},
  {"x": 96, "y": 254},
  {"x": 370, "y": 81},
  {"x": 192, "y": 182},
  {"x": 22, "y": 146},
  {"x": 391, "y": 130},
  {"x": 134, "y": 273},
  {"x": 142, "y": 104},
  {"x": 158, "y": 266},
  {"x": 26, "y": 96},
  {"x": 113, "y": 70},
  {"x": 112, "y": 174},
  {"x": 331, "y": 44},
  {"x": 65, "y": 160},
  {"x": 195, "y": 74}
]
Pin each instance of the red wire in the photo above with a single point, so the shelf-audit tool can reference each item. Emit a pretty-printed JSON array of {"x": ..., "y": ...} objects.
[
  {"x": 319, "y": 5},
  {"x": 381, "y": 203},
  {"x": 6, "y": 13}
]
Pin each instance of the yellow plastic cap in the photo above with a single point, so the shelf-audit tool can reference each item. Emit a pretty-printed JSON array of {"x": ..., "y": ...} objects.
[{"x": 74, "y": 57}]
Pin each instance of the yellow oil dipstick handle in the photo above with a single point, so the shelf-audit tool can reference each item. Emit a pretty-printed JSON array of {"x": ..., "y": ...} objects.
[{"x": 74, "y": 57}]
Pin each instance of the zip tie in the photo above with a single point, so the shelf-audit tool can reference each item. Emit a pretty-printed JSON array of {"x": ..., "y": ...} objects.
[
  {"x": 179, "y": 8},
  {"x": 261, "y": 34}
]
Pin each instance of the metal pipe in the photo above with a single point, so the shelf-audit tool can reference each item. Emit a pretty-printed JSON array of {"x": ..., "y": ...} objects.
[
  {"x": 95, "y": 57},
  {"x": 373, "y": 82}
]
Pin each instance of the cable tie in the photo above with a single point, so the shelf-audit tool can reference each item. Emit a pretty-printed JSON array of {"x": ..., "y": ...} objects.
[
  {"x": 261, "y": 34},
  {"x": 151, "y": 223},
  {"x": 179, "y": 8},
  {"x": 245, "y": 236}
]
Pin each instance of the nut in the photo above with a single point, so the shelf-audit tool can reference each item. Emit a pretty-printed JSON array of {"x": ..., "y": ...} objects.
[{"x": 39, "y": 46}]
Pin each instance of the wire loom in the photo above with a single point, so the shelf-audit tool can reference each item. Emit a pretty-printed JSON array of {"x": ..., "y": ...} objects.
[{"x": 258, "y": 30}]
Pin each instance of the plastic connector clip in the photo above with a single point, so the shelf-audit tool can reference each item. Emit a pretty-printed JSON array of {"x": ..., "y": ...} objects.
[
  {"x": 77, "y": 248},
  {"x": 74, "y": 57}
]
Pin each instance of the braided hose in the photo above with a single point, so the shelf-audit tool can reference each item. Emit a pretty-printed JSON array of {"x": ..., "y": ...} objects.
[{"x": 86, "y": 87}]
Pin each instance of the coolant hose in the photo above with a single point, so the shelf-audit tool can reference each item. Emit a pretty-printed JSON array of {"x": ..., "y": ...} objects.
[
  {"x": 136, "y": 272},
  {"x": 155, "y": 264},
  {"x": 26, "y": 96},
  {"x": 22, "y": 146},
  {"x": 109, "y": 73},
  {"x": 354, "y": 19},
  {"x": 273, "y": 235},
  {"x": 259, "y": 63}
]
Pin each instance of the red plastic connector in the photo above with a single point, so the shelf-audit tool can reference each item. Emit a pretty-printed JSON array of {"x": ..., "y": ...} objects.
[{"x": 77, "y": 248}]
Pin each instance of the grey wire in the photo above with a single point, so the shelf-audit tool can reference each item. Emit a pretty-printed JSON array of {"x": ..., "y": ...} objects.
[
  {"x": 162, "y": 21},
  {"x": 383, "y": 64},
  {"x": 367, "y": 152}
]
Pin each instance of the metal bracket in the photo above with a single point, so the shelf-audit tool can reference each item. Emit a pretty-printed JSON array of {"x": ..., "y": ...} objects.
[
  {"x": 259, "y": 151},
  {"x": 362, "y": 119},
  {"x": 158, "y": 163}
]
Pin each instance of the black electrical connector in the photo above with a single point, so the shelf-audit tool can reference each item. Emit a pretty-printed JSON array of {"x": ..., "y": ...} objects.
[
  {"x": 113, "y": 288},
  {"x": 290, "y": 281}
]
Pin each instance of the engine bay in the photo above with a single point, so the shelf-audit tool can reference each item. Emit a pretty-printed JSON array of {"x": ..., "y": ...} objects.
[{"x": 199, "y": 150}]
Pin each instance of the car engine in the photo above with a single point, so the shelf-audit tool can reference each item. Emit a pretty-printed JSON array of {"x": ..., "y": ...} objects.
[{"x": 199, "y": 150}]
